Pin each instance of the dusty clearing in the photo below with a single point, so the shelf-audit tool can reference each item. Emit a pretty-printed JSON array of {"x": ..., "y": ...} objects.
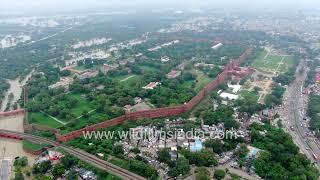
[{"x": 265, "y": 86}]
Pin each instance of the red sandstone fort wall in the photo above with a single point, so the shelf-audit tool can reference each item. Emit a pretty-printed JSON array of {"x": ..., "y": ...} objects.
[
  {"x": 12, "y": 113},
  {"x": 160, "y": 112}
]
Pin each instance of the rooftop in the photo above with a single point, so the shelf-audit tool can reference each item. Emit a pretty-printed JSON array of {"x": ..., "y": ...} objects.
[
  {"x": 217, "y": 46},
  {"x": 173, "y": 74},
  {"x": 197, "y": 146},
  {"x": 229, "y": 96},
  {"x": 235, "y": 88},
  {"x": 151, "y": 85}
]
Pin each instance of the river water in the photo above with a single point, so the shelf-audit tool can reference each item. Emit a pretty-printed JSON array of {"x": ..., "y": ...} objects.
[{"x": 15, "y": 88}]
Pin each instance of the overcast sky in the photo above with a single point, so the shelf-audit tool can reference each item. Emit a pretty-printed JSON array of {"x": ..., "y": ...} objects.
[{"x": 22, "y": 6}]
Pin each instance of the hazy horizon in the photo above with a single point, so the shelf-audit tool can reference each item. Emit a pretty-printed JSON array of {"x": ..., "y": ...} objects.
[{"x": 54, "y": 6}]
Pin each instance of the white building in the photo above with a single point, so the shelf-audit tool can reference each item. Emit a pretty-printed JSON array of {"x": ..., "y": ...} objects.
[
  {"x": 217, "y": 46},
  {"x": 235, "y": 88},
  {"x": 229, "y": 96}
]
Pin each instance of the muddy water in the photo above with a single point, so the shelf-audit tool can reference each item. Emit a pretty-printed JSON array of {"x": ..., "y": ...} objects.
[
  {"x": 16, "y": 89},
  {"x": 10, "y": 149}
]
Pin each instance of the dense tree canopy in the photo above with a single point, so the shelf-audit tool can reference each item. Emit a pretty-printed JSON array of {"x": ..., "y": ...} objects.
[
  {"x": 280, "y": 158},
  {"x": 313, "y": 112}
]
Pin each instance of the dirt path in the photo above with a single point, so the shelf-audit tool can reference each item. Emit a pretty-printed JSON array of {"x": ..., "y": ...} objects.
[
  {"x": 55, "y": 119},
  {"x": 93, "y": 110},
  {"x": 127, "y": 78},
  {"x": 265, "y": 57},
  {"x": 279, "y": 64}
]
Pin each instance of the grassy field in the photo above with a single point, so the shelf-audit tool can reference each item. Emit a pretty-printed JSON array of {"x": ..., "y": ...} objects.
[
  {"x": 81, "y": 106},
  {"x": 202, "y": 80},
  {"x": 149, "y": 68},
  {"x": 271, "y": 63},
  {"x": 132, "y": 81},
  {"x": 82, "y": 68},
  {"x": 41, "y": 119},
  {"x": 251, "y": 96},
  {"x": 82, "y": 122},
  {"x": 33, "y": 146}
]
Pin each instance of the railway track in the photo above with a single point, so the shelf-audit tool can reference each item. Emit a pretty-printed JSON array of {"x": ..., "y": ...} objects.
[{"x": 99, "y": 163}]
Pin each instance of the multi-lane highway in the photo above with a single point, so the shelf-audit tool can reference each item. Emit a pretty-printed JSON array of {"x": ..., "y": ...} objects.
[
  {"x": 104, "y": 165},
  {"x": 293, "y": 112}
]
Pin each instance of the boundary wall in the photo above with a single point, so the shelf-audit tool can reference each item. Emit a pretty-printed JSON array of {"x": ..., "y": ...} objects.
[{"x": 161, "y": 112}]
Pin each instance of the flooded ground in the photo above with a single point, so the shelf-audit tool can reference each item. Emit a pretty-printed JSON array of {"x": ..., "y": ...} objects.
[
  {"x": 15, "y": 89},
  {"x": 12, "y": 123},
  {"x": 9, "y": 148}
]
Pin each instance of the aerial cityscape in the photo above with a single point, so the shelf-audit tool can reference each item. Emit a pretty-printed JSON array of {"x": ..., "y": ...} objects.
[{"x": 159, "y": 90}]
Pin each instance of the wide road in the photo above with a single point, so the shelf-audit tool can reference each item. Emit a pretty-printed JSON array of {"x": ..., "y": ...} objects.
[
  {"x": 4, "y": 169},
  {"x": 99, "y": 163},
  {"x": 293, "y": 112}
]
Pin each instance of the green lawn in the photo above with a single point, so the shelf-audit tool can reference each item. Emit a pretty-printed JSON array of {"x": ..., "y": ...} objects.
[
  {"x": 119, "y": 162},
  {"x": 132, "y": 81},
  {"x": 187, "y": 84},
  {"x": 82, "y": 122},
  {"x": 33, "y": 146},
  {"x": 121, "y": 77},
  {"x": 251, "y": 96},
  {"x": 149, "y": 68},
  {"x": 81, "y": 106},
  {"x": 272, "y": 63},
  {"x": 82, "y": 68},
  {"x": 202, "y": 80},
  {"x": 41, "y": 119}
]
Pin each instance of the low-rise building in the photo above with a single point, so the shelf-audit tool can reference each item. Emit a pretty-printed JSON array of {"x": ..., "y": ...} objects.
[
  {"x": 229, "y": 96},
  {"x": 88, "y": 74},
  {"x": 241, "y": 71},
  {"x": 173, "y": 74},
  {"x": 253, "y": 152},
  {"x": 164, "y": 59},
  {"x": 151, "y": 85},
  {"x": 55, "y": 155},
  {"x": 126, "y": 61},
  {"x": 235, "y": 88},
  {"x": 137, "y": 100},
  {"x": 204, "y": 65},
  {"x": 108, "y": 67},
  {"x": 196, "y": 146},
  {"x": 64, "y": 83},
  {"x": 86, "y": 175},
  {"x": 217, "y": 46},
  {"x": 317, "y": 78}
]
